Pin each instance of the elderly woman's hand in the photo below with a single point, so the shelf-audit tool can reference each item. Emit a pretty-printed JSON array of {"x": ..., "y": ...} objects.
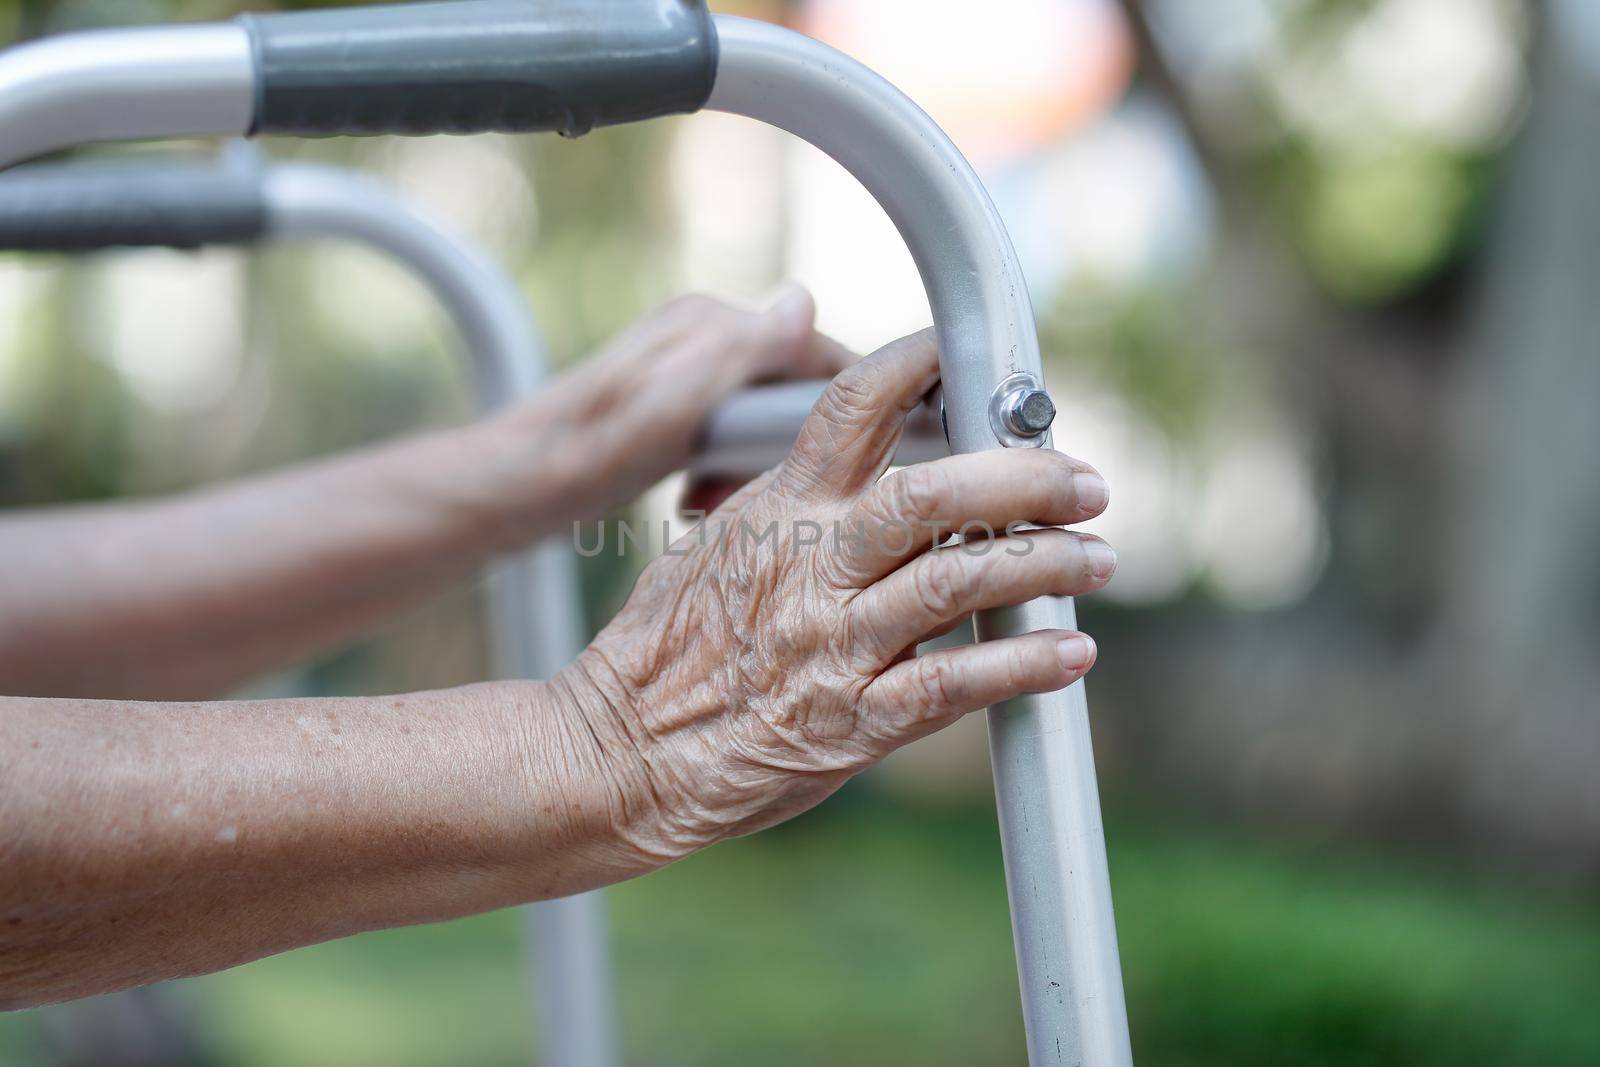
[
  {"x": 771, "y": 655},
  {"x": 746, "y": 678},
  {"x": 630, "y": 415}
]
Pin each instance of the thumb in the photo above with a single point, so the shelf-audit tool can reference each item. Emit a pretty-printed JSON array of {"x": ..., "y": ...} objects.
[{"x": 850, "y": 436}]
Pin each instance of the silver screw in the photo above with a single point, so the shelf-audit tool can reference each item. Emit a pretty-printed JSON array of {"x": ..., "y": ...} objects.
[{"x": 1027, "y": 412}]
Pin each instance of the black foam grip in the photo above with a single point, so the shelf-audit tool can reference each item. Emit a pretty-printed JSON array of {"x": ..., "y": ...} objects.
[
  {"x": 83, "y": 207},
  {"x": 476, "y": 66}
]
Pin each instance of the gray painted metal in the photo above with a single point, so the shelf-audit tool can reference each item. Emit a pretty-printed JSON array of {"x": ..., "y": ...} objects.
[
  {"x": 1045, "y": 788},
  {"x": 89, "y": 207},
  {"x": 474, "y": 65},
  {"x": 753, "y": 431}
]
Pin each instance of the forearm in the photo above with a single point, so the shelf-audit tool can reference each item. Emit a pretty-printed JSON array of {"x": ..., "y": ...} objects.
[
  {"x": 189, "y": 596},
  {"x": 741, "y": 684},
  {"x": 142, "y": 842}
]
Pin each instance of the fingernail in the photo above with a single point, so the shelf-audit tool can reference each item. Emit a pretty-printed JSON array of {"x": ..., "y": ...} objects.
[
  {"x": 1075, "y": 652},
  {"x": 1092, "y": 492},
  {"x": 1102, "y": 558}
]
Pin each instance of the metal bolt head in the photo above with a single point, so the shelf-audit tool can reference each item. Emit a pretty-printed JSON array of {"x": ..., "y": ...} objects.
[{"x": 1028, "y": 412}]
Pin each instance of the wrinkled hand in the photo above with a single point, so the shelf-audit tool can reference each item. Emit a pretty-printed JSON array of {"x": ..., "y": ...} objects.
[
  {"x": 771, "y": 655},
  {"x": 624, "y": 419}
]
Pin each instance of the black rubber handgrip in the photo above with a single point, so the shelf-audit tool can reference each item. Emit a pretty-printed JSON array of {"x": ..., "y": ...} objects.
[
  {"x": 476, "y": 66},
  {"x": 82, "y": 207}
]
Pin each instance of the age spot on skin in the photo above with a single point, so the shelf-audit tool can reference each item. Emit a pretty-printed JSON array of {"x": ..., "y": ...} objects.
[{"x": 228, "y": 835}]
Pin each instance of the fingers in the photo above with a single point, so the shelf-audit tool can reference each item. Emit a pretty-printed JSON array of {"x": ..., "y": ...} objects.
[
  {"x": 940, "y": 588},
  {"x": 921, "y": 695},
  {"x": 851, "y": 433},
  {"x": 829, "y": 356},
  {"x": 699, "y": 333},
  {"x": 793, "y": 348},
  {"x": 918, "y": 506}
]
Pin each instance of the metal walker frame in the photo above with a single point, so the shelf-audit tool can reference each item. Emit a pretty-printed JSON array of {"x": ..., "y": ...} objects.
[{"x": 568, "y": 65}]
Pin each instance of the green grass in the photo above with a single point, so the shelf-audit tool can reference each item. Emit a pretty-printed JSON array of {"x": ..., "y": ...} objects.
[{"x": 874, "y": 933}]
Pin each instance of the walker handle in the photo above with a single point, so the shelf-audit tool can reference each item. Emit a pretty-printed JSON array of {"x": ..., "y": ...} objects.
[
  {"x": 477, "y": 66},
  {"x": 77, "y": 208}
]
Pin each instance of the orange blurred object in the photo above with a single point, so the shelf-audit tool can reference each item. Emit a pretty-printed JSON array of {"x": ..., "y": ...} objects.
[{"x": 1004, "y": 78}]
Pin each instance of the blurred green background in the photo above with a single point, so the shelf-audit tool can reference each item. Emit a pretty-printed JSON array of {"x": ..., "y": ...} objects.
[{"x": 1316, "y": 280}]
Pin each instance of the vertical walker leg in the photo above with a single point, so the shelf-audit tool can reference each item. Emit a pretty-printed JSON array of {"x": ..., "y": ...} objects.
[
  {"x": 535, "y": 603},
  {"x": 566, "y": 941},
  {"x": 1049, "y": 807}
]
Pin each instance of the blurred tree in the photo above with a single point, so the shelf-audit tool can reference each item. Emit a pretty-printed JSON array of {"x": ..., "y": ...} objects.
[{"x": 1439, "y": 683}]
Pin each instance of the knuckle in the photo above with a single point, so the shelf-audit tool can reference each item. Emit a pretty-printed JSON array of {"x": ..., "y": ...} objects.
[
  {"x": 917, "y": 492},
  {"x": 856, "y": 387},
  {"x": 1057, "y": 468},
  {"x": 1017, "y": 666},
  {"x": 844, "y": 407},
  {"x": 940, "y": 588},
  {"x": 938, "y": 686},
  {"x": 832, "y": 572}
]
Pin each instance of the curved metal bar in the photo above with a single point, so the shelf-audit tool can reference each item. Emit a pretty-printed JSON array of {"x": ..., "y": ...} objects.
[
  {"x": 107, "y": 85},
  {"x": 200, "y": 80},
  {"x": 309, "y": 201},
  {"x": 1048, "y": 802}
]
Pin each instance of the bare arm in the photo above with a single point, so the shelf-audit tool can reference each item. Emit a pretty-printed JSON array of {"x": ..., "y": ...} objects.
[
  {"x": 147, "y": 841},
  {"x": 189, "y": 596},
  {"x": 744, "y": 681}
]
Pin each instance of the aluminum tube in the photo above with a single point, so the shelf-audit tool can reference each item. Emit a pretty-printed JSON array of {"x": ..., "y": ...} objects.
[
  {"x": 534, "y": 598},
  {"x": 1049, "y": 810},
  {"x": 753, "y": 431},
  {"x": 178, "y": 81},
  {"x": 310, "y": 201}
]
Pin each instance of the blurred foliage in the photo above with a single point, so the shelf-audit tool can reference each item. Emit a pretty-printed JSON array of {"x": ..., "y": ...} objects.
[
  {"x": 1376, "y": 228},
  {"x": 873, "y": 932},
  {"x": 1378, "y": 207},
  {"x": 1143, "y": 343},
  {"x": 867, "y": 932}
]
